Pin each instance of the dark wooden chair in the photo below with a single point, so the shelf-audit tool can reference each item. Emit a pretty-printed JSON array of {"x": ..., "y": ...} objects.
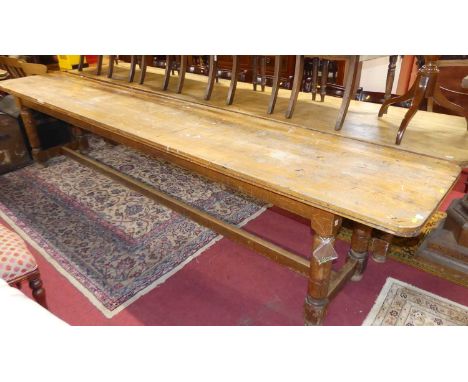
[
  {"x": 173, "y": 63},
  {"x": 12, "y": 66},
  {"x": 350, "y": 79},
  {"x": 235, "y": 71},
  {"x": 353, "y": 62},
  {"x": 113, "y": 59}
]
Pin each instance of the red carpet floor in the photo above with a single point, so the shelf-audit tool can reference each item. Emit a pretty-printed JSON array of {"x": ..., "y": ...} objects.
[{"x": 231, "y": 285}]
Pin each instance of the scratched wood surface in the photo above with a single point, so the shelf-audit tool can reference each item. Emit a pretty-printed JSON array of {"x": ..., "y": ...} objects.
[
  {"x": 439, "y": 135},
  {"x": 377, "y": 185}
]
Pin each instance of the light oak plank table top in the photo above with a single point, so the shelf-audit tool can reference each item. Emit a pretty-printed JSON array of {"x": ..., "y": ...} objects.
[
  {"x": 385, "y": 188},
  {"x": 439, "y": 135}
]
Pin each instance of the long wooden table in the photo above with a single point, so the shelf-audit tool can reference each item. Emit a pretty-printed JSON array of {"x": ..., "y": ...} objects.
[{"x": 322, "y": 177}]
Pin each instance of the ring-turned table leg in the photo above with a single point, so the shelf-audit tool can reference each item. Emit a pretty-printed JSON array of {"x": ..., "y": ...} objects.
[
  {"x": 326, "y": 226},
  {"x": 359, "y": 249},
  {"x": 81, "y": 139}
]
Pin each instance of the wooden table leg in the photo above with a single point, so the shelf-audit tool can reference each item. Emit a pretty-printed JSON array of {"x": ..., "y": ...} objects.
[
  {"x": 315, "y": 65},
  {"x": 359, "y": 248},
  {"x": 297, "y": 84},
  {"x": 349, "y": 91},
  {"x": 31, "y": 131},
  {"x": 419, "y": 93},
  {"x": 425, "y": 86},
  {"x": 326, "y": 226},
  {"x": 276, "y": 83},
  {"x": 439, "y": 98},
  {"x": 405, "y": 97},
  {"x": 81, "y": 139},
  {"x": 380, "y": 247},
  {"x": 211, "y": 77},
  {"x": 390, "y": 76},
  {"x": 182, "y": 71},
  {"x": 234, "y": 74},
  {"x": 324, "y": 80}
]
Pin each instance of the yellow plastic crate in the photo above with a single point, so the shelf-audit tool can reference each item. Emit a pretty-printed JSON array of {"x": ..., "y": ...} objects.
[{"x": 68, "y": 62}]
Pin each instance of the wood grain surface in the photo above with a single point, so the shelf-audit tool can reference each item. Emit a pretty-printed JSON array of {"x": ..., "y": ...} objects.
[
  {"x": 380, "y": 186},
  {"x": 439, "y": 135}
]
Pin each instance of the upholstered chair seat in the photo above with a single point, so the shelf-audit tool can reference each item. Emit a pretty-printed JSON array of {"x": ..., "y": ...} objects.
[{"x": 18, "y": 264}]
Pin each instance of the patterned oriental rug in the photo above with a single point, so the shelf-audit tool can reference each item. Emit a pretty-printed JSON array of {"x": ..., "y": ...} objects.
[
  {"x": 110, "y": 242},
  {"x": 401, "y": 304}
]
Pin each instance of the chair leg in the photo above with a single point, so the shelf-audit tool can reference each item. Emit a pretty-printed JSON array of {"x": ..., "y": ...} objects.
[
  {"x": 402, "y": 98},
  {"x": 110, "y": 69},
  {"x": 349, "y": 86},
  {"x": 254, "y": 72},
  {"x": 234, "y": 75},
  {"x": 80, "y": 64},
  {"x": 390, "y": 76},
  {"x": 262, "y": 73},
  {"x": 182, "y": 71},
  {"x": 143, "y": 70},
  {"x": 297, "y": 84},
  {"x": 167, "y": 73},
  {"x": 275, "y": 88},
  {"x": 99, "y": 65},
  {"x": 131, "y": 74},
  {"x": 38, "y": 292},
  {"x": 315, "y": 64},
  {"x": 419, "y": 94},
  {"x": 211, "y": 77},
  {"x": 324, "y": 79}
]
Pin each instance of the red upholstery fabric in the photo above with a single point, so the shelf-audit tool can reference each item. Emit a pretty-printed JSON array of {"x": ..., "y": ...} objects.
[{"x": 15, "y": 258}]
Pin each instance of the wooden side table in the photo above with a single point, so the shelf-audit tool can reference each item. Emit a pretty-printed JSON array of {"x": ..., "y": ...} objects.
[{"x": 425, "y": 86}]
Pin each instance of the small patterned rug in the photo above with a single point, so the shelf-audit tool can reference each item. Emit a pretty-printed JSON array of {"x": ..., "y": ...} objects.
[
  {"x": 401, "y": 304},
  {"x": 404, "y": 250},
  {"x": 112, "y": 243}
]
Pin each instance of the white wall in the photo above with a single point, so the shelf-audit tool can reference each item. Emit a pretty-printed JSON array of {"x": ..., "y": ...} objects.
[{"x": 374, "y": 74}]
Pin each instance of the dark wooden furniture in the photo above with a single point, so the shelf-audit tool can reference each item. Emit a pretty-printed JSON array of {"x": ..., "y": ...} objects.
[
  {"x": 13, "y": 150},
  {"x": 349, "y": 84},
  {"x": 426, "y": 86},
  {"x": 447, "y": 245},
  {"x": 13, "y": 66},
  {"x": 229, "y": 153}
]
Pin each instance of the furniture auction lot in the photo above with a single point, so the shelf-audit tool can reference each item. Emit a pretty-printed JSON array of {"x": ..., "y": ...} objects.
[{"x": 321, "y": 176}]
